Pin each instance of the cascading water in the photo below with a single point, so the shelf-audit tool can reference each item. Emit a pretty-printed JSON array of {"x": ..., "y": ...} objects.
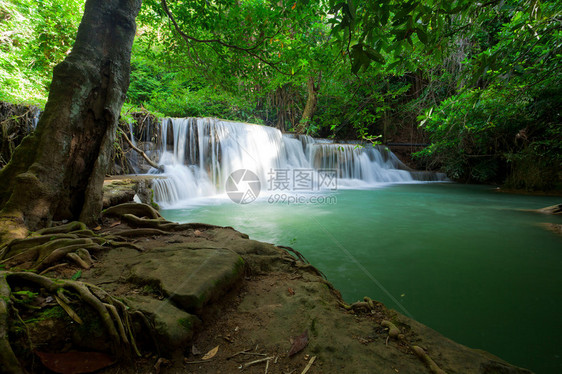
[{"x": 199, "y": 154}]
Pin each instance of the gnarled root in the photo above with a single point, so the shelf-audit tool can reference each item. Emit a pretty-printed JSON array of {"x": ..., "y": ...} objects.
[
  {"x": 133, "y": 233},
  {"x": 139, "y": 210},
  {"x": 145, "y": 217},
  {"x": 393, "y": 331},
  {"x": 435, "y": 369},
  {"x": 366, "y": 305},
  {"x": 154, "y": 223},
  {"x": 114, "y": 314},
  {"x": 47, "y": 247},
  {"x": 10, "y": 363}
]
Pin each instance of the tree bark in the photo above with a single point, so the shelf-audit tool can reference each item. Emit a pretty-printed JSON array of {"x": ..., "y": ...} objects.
[
  {"x": 57, "y": 172},
  {"x": 311, "y": 102}
]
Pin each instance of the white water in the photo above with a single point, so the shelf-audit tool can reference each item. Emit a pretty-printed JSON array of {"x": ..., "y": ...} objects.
[{"x": 199, "y": 154}]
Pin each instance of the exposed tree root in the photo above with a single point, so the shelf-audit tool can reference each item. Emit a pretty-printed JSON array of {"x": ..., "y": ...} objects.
[
  {"x": 139, "y": 210},
  {"x": 62, "y": 229},
  {"x": 78, "y": 260},
  {"x": 141, "y": 232},
  {"x": 393, "y": 331},
  {"x": 366, "y": 305},
  {"x": 435, "y": 369},
  {"x": 114, "y": 315},
  {"x": 10, "y": 363},
  {"x": 49, "y": 246},
  {"x": 295, "y": 252},
  {"x": 304, "y": 264},
  {"x": 54, "y": 247},
  {"x": 369, "y": 305},
  {"x": 197, "y": 226},
  {"x": 154, "y": 223}
]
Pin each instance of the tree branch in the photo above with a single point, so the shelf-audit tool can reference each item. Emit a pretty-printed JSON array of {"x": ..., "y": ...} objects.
[
  {"x": 150, "y": 162},
  {"x": 248, "y": 50}
]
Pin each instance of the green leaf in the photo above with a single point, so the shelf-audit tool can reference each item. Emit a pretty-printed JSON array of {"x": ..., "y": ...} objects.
[
  {"x": 76, "y": 275},
  {"x": 422, "y": 36},
  {"x": 374, "y": 55}
]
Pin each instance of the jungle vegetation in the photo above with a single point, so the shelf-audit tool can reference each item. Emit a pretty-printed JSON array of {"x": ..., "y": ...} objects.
[{"x": 479, "y": 81}]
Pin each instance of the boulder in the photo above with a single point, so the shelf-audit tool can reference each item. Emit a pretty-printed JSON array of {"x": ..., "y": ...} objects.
[
  {"x": 174, "y": 327},
  {"x": 189, "y": 277}
]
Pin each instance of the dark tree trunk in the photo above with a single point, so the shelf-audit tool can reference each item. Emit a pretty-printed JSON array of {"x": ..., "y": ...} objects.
[
  {"x": 58, "y": 171},
  {"x": 311, "y": 102}
]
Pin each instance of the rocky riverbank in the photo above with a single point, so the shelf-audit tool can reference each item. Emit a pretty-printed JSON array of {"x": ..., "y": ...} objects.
[{"x": 215, "y": 301}]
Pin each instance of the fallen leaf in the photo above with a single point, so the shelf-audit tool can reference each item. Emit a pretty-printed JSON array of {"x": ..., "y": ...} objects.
[
  {"x": 116, "y": 223},
  {"x": 97, "y": 228},
  {"x": 195, "y": 351},
  {"x": 299, "y": 343},
  {"x": 161, "y": 362},
  {"x": 211, "y": 353},
  {"x": 291, "y": 291},
  {"x": 75, "y": 362},
  {"x": 309, "y": 365},
  {"x": 76, "y": 275},
  {"x": 69, "y": 310}
]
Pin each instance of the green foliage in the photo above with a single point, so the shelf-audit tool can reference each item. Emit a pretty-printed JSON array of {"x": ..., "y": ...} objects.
[
  {"x": 481, "y": 78},
  {"x": 34, "y": 37},
  {"x": 505, "y": 124},
  {"x": 55, "y": 312},
  {"x": 24, "y": 296},
  {"x": 76, "y": 275},
  {"x": 497, "y": 133}
]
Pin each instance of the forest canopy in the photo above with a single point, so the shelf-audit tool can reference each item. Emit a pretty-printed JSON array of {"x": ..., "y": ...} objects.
[{"x": 479, "y": 81}]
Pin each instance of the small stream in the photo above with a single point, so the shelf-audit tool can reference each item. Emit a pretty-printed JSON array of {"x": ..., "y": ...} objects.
[{"x": 464, "y": 260}]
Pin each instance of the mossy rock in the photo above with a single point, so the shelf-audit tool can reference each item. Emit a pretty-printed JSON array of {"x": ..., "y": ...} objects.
[
  {"x": 191, "y": 278},
  {"x": 174, "y": 327}
]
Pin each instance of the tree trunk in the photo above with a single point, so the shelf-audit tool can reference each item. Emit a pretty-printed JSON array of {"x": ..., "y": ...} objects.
[
  {"x": 310, "y": 107},
  {"x": 57, "y": 172}
]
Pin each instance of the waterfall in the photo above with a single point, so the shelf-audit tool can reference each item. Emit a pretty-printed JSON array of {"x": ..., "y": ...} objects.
[{"x": 199, "y": 154}]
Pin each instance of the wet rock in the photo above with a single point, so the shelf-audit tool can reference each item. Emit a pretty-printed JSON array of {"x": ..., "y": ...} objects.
[{"x": 554, "y": 209}]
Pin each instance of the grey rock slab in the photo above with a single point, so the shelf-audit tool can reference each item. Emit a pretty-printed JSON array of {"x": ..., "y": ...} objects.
[
  {"x": 174, "y": 327},
  {"x": 189, "y": 277}
]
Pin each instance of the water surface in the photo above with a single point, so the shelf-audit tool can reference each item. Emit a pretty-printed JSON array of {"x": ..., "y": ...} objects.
[{"x": 460, "y": 259}]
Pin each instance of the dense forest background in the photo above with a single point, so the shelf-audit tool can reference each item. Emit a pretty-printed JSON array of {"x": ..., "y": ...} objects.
[{"x": 480, "y": 82}]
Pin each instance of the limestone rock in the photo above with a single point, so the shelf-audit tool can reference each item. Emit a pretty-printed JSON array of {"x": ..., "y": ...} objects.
[
  {"x": 174, "y": 327},
  {"x": 118, "y": 192},
  {"x": 554, "y": 209},
  {"x": 189, "y": 277}
]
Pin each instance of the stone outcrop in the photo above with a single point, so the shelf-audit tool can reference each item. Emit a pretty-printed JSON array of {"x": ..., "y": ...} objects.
[{"x": 119, "y": 190}]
